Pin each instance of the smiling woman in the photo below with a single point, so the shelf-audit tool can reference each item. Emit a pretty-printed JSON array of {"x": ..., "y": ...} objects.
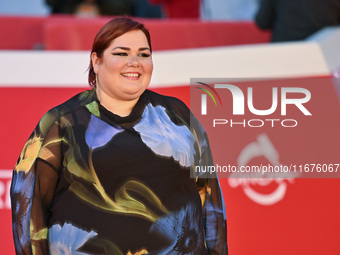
[
  {"x": 110, "y": 169},
  {"x": 123, "y": 72}
]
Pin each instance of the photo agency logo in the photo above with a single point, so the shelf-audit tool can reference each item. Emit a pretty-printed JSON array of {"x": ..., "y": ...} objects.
[
  {"x": 244, "y": 113},
  {"x": 266, "y": 133}
]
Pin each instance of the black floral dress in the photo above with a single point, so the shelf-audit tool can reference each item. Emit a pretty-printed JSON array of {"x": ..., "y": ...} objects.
[{"x": 91, "y": 182}]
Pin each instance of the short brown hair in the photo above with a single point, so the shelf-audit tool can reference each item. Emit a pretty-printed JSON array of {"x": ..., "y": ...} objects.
[{"x": 110, "y": 31}]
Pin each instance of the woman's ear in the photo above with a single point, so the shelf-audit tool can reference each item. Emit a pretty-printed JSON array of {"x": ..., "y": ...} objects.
[{"x": 95, "y": 62}]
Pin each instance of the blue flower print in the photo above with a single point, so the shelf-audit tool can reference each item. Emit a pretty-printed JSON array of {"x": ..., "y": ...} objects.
[
  {"x": 165, "y": 138},
  {"x": 22, "y": 189},
  {"x": 99, "y": 132},
  {"x": 67, "y": 239},
  {"x": 183, "y": 231}
]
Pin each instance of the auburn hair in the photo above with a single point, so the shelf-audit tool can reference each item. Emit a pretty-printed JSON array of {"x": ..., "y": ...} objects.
[{"x": 110, "y": 31}]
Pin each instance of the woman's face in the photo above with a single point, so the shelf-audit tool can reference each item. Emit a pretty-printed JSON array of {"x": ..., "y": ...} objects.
[{"x": 125, "y": 68}]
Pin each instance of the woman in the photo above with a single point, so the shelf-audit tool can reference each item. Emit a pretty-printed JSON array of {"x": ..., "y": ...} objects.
[{"x": 108, "y": 171}]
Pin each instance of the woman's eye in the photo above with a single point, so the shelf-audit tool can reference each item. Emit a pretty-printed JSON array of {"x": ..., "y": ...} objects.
[
  {"x": 120, "y": 54},
  {"x": 144, "y": 55}
]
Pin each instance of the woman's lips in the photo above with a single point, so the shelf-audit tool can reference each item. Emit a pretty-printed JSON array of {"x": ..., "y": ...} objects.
[{"x": 131, "y": 75}]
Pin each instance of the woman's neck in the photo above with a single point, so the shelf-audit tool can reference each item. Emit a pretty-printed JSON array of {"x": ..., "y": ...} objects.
[{"x": 121, "y": 108}]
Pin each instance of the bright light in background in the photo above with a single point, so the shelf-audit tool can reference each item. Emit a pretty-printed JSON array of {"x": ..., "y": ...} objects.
[{"x": 24, "y": 7}]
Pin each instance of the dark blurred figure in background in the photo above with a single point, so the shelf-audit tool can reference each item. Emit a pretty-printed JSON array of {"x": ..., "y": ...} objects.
[
  {"x": 292, "y": 20},
  {"x": 91, "y": 7},
  {"x": 142, "y": 8},
  {"x": 179, "y": 8},
  {"x": 137, "y": 8},
  {"x": 88, "y": 8}
]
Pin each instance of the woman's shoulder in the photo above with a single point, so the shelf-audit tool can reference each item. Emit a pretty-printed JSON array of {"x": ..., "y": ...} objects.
[
  {"x": 69, "y": 106},
  {"x": 166, "y": 101},
  {"x": 72, "y": 104},
  {"x": 175, "y": 107}
]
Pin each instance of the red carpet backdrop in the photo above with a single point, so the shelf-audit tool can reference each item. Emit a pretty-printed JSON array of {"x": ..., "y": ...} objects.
[{"x": 286, "y": 215}]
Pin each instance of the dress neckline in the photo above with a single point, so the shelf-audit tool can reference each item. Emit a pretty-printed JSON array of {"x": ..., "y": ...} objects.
[{"x": 134, "y": 116}]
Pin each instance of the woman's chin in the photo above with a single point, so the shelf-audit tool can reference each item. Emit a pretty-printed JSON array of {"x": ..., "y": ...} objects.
[{"x": 134, "y": 91}]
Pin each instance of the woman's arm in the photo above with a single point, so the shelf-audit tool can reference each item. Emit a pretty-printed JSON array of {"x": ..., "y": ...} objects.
[
  {"x": 34, "y": 180},
  {"x": 214, "y": 216},
  {"x": 214, "y": 219}
]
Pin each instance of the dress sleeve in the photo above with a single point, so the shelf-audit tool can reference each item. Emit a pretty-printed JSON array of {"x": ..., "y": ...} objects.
[
  {"x": 34, "y": 180},
  {"x": 214, "y": 216}
]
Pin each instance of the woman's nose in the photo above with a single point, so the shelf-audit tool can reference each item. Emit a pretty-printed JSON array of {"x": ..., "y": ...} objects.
[{"x": 133, "y": 61}]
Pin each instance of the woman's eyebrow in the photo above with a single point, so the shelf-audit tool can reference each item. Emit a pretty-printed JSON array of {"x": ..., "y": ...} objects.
[
  {"x": 127, "y": 48},
  {"x": 145, "y": 48}
]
